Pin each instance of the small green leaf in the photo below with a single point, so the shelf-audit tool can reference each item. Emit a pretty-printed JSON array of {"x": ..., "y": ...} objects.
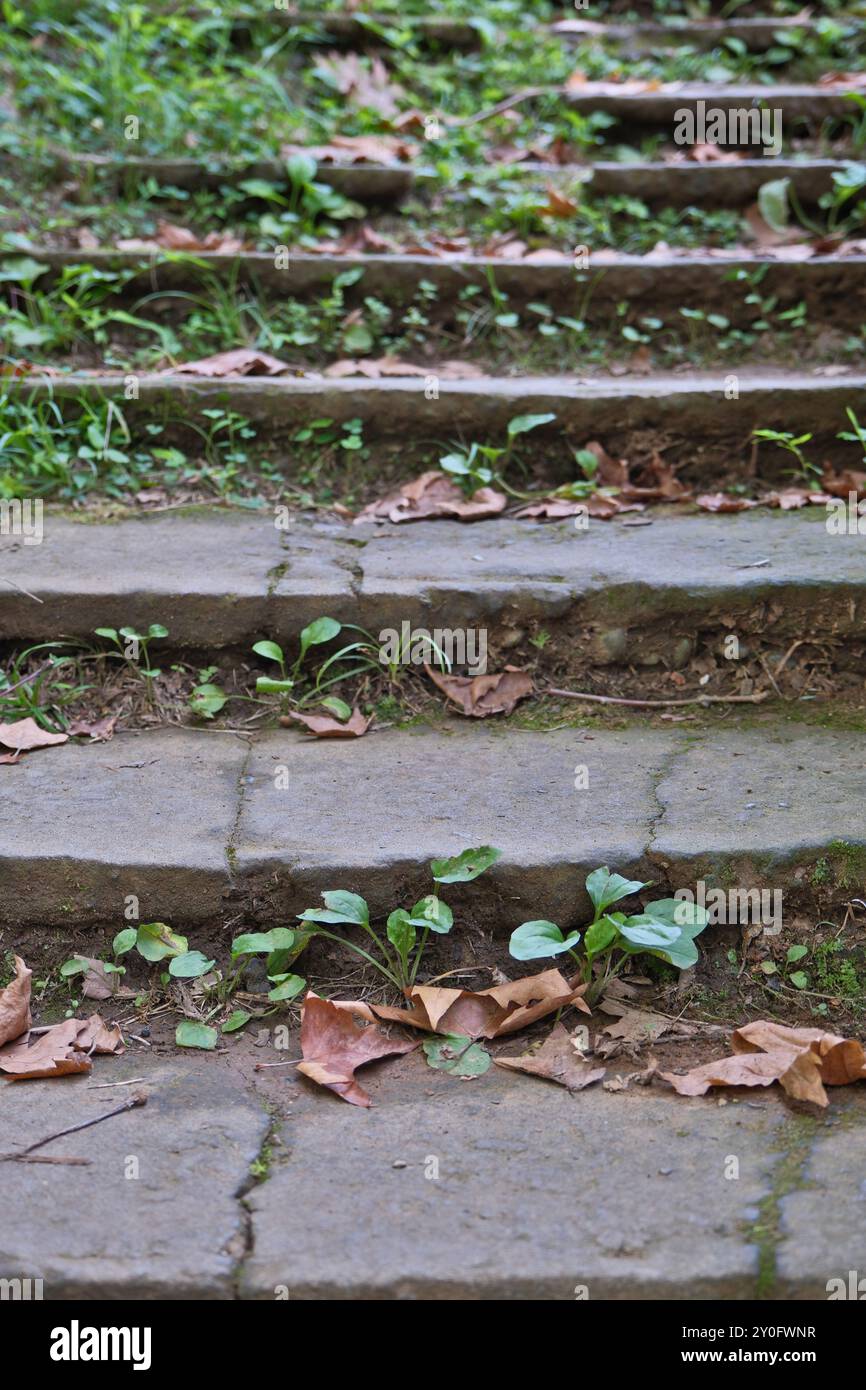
[
  {"x": 796, "y": 953},
  {"x": 157, "y": 630},
  {"x": 235, "y": 1021},
  {"x": 155, "y": 941},
  {"x": 646, "y": 931},
  {"x": 189, "y": 1033},
  {"x": 522, "y": 424},
  {"x": 799, "y": 979},
  {"x": 457, "y": 1055},
  {"x": 73, "y": 967},
  {"x": 321, "y": 630},
  {"x": 773, "y": 203},
  {"x": 267, "y": 685},
  {"x": 124, "y": 941},
  {"x": 207, "y": 700},
  {"x": 539, "y": 939},
  {"x": 432, "y": 913},
  {"x": 287, "y": 988},
  {"x": 600, "y": 935},
  {"x": 768, "y": 967},
  {"x": 466, "y": 866},
  {"x": 337, "y": 707},
  {"x": 690, "y": 917},
  {"x": 401, "y": 932},
  {"x": 109, "y": 632},
  {"x": 263, "y": 942},
  {"x": 190, "y": 966},
  {"x": 270, "y": 650},
  {"x": 605, "y": 888}
]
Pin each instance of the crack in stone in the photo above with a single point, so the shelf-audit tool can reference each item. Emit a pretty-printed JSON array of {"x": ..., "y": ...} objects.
[{"x": 240, "y": 790}]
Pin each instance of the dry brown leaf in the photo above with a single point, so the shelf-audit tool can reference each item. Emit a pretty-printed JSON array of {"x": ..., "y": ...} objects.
[
  {"x": 802, "y": 1060},
  {"x": 100, "y": 983},
  {"x": 15, "y": 1004},
  {"x": 558, "y": 205},
  {"x": 395, "y": 366},
  {"x": 365, "y": 82},
  {"x": 657, "y": 482},
  {"x": 480, "y": 696},
  {"x": 26, "y": 733},
  {"x": 326, "y": 726},
  {"x": 173, "y": 238},
  {"x": 335, "y": 1046},
  {"x": 723, "y": 502},
  {"x": 557, "y": 1060},
  {"x": 357, "y": 149},
  {"x": 841, "y": 484},
  {"x": 434, "y": 495},
  {"x": 235, "y": 362},
  {"x": 714, "y": 154},
  {"x": 97, "y": 730},
  {"x": 487, "y": 1013},
  {"x": 638, "y": 1025},
  {"x": 63, "y": 1049}
]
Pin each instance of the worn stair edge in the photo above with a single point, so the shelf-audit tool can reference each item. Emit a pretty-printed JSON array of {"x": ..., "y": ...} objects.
[
  {"x": 268, "y": 828},
  {"x": 796, "y": 101},
  {"x": 648, "y": 36},
  {"x": 373, "y": 182},
  {"x": 613, "y": 593},
  {"x": 834, "y": 287},
  {"x": 695, "y": 407},
  {"x": 735, "y": 183}
]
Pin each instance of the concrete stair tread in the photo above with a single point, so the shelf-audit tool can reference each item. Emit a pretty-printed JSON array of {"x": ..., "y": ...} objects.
[{"x": 194, "y": 822}]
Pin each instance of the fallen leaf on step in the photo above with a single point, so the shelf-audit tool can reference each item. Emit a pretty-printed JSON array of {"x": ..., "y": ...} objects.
[
  {"x": 394, "y": 366},
  {"x": 558, "y": 1060},
  {"x": 713, "y": 154},
  {"x": 640, "y": 1025},
  {"x": 326, "y": 726},
  {"x": 236, "y": 362},
  {"x": 656, "y": 482},
  {"x": 723, "y": 502},
  {"x": 26, "y": 733},
  {"x": 558, "y": 205},
  {"x": 841, "y": 484},
  {"x": 15, "y": 1003},
  {"x": 363, "y": 81},
  {"x": 335, "y": 1046},
  {"x": 480, "y": 696},
  {"x": 486, "y": 1013},
  {"x": 802, "y": 1060},
  {"x": 357, "y": 149},
  {"x": 63, "y": 1049},
  {"x": 97, "y": 730},
  {"x": 434, "y": 495},
  {"x": 100, "y": 983},
  {"x": 173, "y": 238}
]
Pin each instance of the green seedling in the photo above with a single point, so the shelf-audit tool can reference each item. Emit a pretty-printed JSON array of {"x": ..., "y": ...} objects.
[
  {"x": 792, "y": 444},
  {"x": 472, "y": 467},
  {"x": 134, "y": 649},
  {"x": 665, "y": 929},
  {"x": 399, "y": 952}
]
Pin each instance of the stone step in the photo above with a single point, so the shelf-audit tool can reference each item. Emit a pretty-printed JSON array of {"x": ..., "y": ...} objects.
[
  {"x": 659, "y": 105},
  {"x": 714, "y": 183},
  {"x": 705, "y": 426},
  {"x": 612, "y": 593},
  {"x": 456, "y": 1187},
  {"x": 833, "y": 287},
  {"x": 464, "y": 1192},
  {"x": 647, "y": 36},
  {"x": 202, "y": 826}
]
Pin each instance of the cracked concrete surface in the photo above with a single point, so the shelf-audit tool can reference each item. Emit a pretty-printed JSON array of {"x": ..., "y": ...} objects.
[
  {"x": 226, "y": 579},
  {"x": 443, "y": 1189},
  {"x": 194, "y": 822}
]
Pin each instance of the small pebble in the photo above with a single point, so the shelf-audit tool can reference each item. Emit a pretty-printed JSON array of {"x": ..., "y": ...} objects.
[{"x": 399, "y": 1163}]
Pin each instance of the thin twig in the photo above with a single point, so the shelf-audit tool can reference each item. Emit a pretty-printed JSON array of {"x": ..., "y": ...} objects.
[
  {"x": 139, "y": 1098},
  {"x": 7, "y": 690},
  {"x": 659, "y": 704},
  {"x": 20, "y": 590},
  {"x": 44, "y": 1158},
  {"x": 106, "y": 1085},
  {"x": 506, "y": 105}
]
